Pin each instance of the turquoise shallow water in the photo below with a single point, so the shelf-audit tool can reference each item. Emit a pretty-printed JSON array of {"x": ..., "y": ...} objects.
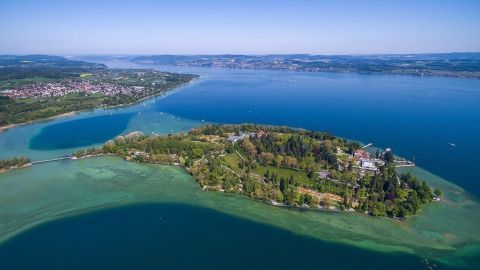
[
  {"x": 416, "y": 116},
  {"x": 166, "y": 236},
  {"x": 48, "y": 192}
]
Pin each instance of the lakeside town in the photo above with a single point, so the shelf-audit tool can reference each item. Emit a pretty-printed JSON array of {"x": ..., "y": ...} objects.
[
  {"x": 104, "y": 82},
  {"x": 57, "y": 89},
  {"x": 38, "y": 96}
]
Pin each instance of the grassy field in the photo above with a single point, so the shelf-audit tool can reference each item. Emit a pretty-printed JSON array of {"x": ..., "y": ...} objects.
[
  {"x": 232, "y": 160},
  {"x": 343, "y": 157},
  {"x": 300, "y": 177}
]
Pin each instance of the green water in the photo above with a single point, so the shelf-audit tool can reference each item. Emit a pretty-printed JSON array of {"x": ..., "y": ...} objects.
[{"x": 81, "y": 186}]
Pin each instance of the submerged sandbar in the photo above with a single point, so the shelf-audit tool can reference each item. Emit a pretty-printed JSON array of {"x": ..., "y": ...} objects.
[{"x": 103, "y": 182}]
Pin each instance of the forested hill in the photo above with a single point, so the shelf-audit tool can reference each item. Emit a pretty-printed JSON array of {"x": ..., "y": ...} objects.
[
  {"x": 45, "y": 66},
  {"x": 40, "y": 60}
]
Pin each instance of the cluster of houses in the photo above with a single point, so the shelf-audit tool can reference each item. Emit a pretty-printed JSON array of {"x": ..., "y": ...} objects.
[
  {"x": 56, "y": 89},
  {"x": 244, "y": 135},
  {"x": 365, "y": 161}
]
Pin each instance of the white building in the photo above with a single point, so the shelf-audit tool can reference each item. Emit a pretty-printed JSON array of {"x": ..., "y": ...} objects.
[{"x": 368, "y": 164}]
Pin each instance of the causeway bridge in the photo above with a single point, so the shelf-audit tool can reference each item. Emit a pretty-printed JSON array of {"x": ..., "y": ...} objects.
[{"x": 50, "y": 160}]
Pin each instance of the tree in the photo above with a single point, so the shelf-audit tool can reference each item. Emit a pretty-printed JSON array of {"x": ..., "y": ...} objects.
[
  {"x": 278, "y": 161},
  {"x": 401, "y": 193},
  {"x": 266, "y": 158},
  {"x": 291, "y": 162},
  {"x": 388, "y": 157},
  {"x": 438, "y": 192},
  {"x": 291, "y": 180},
  {"x": 283, "y": 185},
  {"x": 278, "y": 195},
  {"x": 249, "y": 147},
  {"x": 378, "y": 209}
]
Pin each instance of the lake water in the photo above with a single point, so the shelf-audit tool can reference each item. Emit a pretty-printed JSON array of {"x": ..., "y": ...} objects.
[
  {"x": 179, "y": 237},
  {"x": 434, "y": 120},
  {"x": 420, "y": 118}
]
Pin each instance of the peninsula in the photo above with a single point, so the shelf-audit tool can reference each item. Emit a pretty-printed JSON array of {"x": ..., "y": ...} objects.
[
  {"x": 13, "y": 163},
  {"x": 282, "y": 166},
  {"x": 38, "y": 87}
]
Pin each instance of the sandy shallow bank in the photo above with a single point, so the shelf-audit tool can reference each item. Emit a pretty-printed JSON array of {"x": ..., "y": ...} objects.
[
  {"x": 10, "y": 126},
  {"x": 102, "y": 182}
]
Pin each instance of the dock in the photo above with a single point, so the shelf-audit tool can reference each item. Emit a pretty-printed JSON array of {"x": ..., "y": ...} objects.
[
  {"x": 368, "y": 145},
  {"x": 401, "y": 163}
]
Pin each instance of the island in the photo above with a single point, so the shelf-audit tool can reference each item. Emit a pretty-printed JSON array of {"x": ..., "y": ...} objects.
[
  {"x": 38, "y": 87},
  {"x": 282, "y": 166}
]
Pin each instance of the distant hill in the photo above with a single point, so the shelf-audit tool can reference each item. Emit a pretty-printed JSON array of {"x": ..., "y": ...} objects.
[
  {"x": 40, "y": 60},
  {"x": 46, "y": 66}
]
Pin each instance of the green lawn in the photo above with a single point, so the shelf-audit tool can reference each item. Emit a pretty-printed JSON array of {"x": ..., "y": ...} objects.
[
  {"x": 300, "y": 177},
  {"x": 232, "y": 160},
  {"x": 343, "y": 157}
]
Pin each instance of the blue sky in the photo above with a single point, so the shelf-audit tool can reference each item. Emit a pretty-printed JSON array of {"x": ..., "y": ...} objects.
[{"x": 249, "y": 27}]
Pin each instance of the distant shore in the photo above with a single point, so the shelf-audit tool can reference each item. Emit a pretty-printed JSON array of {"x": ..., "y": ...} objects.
[{"x": 453, "y": 65}]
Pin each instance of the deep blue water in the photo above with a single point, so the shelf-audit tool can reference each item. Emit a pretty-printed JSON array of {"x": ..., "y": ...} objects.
[
  {"x": 420, "y": 118},
  {"x": 180, "y": 237},
  {"x": 81, "y": 132}
]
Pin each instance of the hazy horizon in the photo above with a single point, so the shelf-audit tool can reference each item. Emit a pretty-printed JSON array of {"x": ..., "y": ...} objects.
[
  {"x": 187, "y": 27},
  {"x": 246, "y": 54}
]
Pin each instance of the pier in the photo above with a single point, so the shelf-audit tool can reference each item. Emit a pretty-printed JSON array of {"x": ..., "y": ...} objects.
[
  {"x": 403, "y": 163},
  {"x": 368, "y": 145},
  {"x": 50, "y": 160}
]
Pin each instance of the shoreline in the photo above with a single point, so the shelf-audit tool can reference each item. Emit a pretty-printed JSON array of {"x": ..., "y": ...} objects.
[
  {"x": 273, "y": 203},
  {"x": 374, "y": 244},
  {"x": 15, "y": 168},
  {"x": 452, "y": 76},
  {"x": 331, "y": 205},
  {"x": 10, "y": 126},
  {"x": 73, "y": 113}
]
